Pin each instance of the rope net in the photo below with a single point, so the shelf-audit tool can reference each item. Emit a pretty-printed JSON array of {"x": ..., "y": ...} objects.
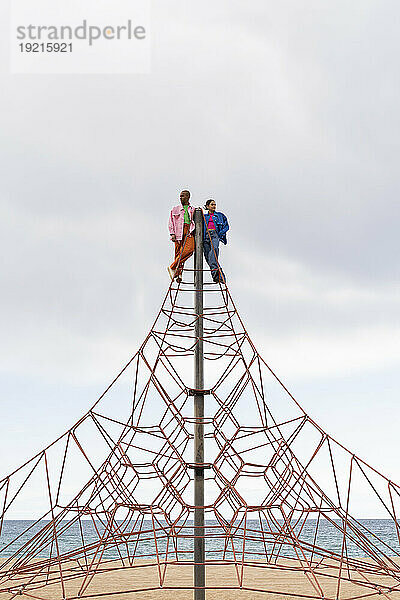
[{"x": 112, "y": 498}]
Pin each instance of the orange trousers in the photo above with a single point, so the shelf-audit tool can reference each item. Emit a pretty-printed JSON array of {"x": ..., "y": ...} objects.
[{"x": 183, "y": 250}]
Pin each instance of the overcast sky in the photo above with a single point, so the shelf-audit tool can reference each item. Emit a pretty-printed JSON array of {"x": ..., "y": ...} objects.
[{"x": 287, "y": 113}]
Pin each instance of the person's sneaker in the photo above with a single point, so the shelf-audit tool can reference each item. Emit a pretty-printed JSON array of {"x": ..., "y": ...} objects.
[{"x": 171, "y": 273}]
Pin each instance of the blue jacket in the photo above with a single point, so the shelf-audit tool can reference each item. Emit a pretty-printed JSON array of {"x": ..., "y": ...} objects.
[{"x": 221, "y": 225}]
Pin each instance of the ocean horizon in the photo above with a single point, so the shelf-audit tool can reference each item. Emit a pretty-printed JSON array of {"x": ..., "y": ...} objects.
[{"x": 379, "y": 535}]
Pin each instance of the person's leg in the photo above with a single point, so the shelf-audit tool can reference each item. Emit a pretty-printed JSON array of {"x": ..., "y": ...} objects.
[
  {"x": 209, "y": 252},
  {"x": 178, "y": 249},
  {"x": 213, "y": 252},
  {"x": 206, "y": 249},
  {"x": 186, "y": 252},
  {"x": 219, "y": 274}
]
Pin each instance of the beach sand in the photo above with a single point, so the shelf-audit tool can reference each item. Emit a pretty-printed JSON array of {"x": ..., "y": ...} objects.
[{"x": 284, "y": 583}]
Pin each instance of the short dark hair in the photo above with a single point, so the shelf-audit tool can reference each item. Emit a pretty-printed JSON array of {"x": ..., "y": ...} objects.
[
  {"x": 209, "y": 202},
  {"x": 186, "y": 192}
]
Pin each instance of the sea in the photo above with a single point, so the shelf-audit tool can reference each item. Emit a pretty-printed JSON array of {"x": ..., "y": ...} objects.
[{"x": 378, "y": 536}]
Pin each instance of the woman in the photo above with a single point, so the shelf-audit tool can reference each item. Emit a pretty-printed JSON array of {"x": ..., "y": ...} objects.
[{"x": 215, "y": 228}]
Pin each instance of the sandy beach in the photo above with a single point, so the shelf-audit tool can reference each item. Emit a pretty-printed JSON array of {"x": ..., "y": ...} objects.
[{"x": 284, "y": 583}]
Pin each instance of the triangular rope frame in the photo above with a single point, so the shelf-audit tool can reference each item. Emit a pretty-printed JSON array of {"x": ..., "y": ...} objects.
[{"x": 113, "y": 495}]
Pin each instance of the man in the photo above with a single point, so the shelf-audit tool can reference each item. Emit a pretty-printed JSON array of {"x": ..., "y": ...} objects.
[{"x": 181, "y": 227}]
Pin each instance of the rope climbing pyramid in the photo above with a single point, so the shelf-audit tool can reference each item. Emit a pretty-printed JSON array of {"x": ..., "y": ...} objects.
[{"x": 113, "y": 498}]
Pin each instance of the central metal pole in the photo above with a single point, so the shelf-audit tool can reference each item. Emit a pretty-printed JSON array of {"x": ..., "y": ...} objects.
[{"x": 199, "y": 542}]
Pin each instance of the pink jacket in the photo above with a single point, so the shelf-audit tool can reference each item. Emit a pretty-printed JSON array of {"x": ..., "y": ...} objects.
[{"x": 176, "y": 219}]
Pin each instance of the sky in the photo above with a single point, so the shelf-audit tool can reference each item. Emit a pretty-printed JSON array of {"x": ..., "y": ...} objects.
[{"x": 287, "y": 114}]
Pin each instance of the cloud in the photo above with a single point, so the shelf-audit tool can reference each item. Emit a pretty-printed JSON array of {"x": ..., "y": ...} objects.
[
  {"x": 285, "y": 113},
  {"x": 309, "y": 323}
]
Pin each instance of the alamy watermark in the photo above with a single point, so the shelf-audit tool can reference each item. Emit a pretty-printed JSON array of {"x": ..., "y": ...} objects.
[{"x": 50, "y": 36}]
